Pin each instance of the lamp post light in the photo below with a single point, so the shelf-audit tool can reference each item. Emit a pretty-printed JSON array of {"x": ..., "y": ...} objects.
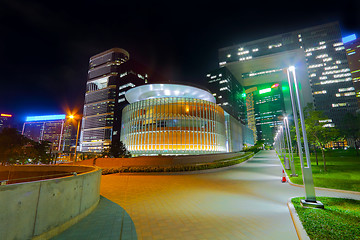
[
  {"x": 310, "y": 197},
  {"x": 282, "y": 139},
  {"x": 291, "y": 155},
  {"x": 77, "y": 135}
]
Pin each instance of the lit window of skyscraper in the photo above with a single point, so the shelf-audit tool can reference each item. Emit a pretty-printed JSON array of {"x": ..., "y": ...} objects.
[
  {"x": 325, "y": 56},
  {"x": 111, "y": 74}
]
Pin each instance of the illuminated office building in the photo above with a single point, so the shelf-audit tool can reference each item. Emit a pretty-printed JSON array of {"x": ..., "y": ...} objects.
[
  {"x": 320, "y": 60},
  {"x": 111, "y": 74},
  {"x": 352, "y": 47},
  {"x": 5, "y": 121},
  {"x": 52, "y": 128},
  {"x": 266, "y": 92},
  {"x": 172, "y": 119},
  {"x": 269, "y": 108},
  {"x": 228, "y": 92}
]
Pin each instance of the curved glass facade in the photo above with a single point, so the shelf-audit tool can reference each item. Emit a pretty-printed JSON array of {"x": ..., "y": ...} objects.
[{"x": 173, "y": 125}]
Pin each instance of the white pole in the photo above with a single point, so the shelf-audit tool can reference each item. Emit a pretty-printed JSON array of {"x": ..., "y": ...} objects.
[{"x": 310, "y": 199}]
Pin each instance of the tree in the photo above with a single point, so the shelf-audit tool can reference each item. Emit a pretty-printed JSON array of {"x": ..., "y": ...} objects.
[
  {"x": 318, "y": 134},
  {"x": 12, "y": 146},
  {"x": 118, "y": 149},
  {"x": 16, "y": 148},
  {"x": 351, "y": 129}
]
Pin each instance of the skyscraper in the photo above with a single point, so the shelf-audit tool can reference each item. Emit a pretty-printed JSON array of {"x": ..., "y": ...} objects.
[
  {"x": 352, "y": 46},
  {"x": 325, "y": 65},
  {"x": 5, "y": 121},
  {"x": 228, "y": 92},
  {"x": 52, "y": 128},
  {"x": 111, "y": 74}
]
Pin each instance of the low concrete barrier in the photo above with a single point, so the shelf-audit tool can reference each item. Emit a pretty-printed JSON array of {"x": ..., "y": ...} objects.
[
  {"x": 42, "y": 209},
  {"x": 159, "y": 160}
]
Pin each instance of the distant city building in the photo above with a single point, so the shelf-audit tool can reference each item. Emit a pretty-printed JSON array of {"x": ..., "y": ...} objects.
[
  {"x": 322, "y": 68},
  {"x": 111, "y": 74},
  {"x": 5, "y": 121},
  {"x": 266, "y": 92},
  {"x": 52, "y": 128},
  {"x": 172, "y": 119},
  {"x": 352, "y": 47},
  {"x": 228, "y": 92}
]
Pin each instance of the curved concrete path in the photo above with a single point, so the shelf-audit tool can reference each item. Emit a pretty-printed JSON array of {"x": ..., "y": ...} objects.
[
  {"x": 245, "y": 201},
  {"x": 108, "y": 221}
]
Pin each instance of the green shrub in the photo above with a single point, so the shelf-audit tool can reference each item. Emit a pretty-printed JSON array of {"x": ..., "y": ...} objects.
[{"x": 180, "y": 168}]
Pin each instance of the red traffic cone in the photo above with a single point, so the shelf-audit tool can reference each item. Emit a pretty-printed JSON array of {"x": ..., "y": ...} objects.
[{"x": 283, "y": 179}]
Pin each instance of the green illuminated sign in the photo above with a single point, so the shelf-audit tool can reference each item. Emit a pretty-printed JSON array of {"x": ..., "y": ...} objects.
[{"x": 265, "y": 90}]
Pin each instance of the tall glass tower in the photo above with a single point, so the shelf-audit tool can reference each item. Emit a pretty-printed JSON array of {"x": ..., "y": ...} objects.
[
  {"x": 110, "y": 75},
  {"x": 326, "y": 64}
]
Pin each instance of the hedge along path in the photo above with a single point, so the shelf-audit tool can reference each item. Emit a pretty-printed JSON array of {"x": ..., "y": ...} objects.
[{"x": 180, "y": 168}]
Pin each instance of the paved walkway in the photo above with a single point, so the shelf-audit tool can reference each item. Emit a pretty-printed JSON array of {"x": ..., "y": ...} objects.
[
  {"x": 108, "y": 221},
  {"x": 245, "y": 201}
]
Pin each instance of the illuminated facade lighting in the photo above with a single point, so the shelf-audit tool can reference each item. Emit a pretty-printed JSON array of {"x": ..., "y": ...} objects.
[
  {"x": 349, "y": 38},
  {"x": 160, "y": 123},
  {"x": 52, "y": 128},
  {"x": 327, "y": 56},
  {"x": 353, "y": 56},
  {"x": 45, "y": 118},
  {"x": 6, "y": 115},
  {"x": 266, "y": 90},
  {"x": 111, "y": 74}
]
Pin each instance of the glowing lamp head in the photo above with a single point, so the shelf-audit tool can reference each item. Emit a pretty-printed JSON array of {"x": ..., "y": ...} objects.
[
  {"x": 71, "y": 116},
  {"x": 275, "y": 85},
  {"x": 291, "y": 68}
]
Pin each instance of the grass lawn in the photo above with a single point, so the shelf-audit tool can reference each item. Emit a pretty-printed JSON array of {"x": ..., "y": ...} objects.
[
  {"x": 343, "y": 170},
  {"x": 339, "y": 220}
]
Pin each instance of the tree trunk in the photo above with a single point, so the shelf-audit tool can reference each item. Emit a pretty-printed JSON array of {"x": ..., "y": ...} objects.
[
  {"x": 323, "y": 157},
  {"x": 357, "y": 149},
  {"x": 297, "y": 151},
  {"x": 317, "y": 162}
]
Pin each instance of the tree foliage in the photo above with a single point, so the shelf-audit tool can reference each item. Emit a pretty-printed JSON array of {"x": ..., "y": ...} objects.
[
  {"x": 351, "y": 129},
  {"x": 317, "y": 133},
  {"x": 117, "y": 150},
  {"x": 16, "y": 148}
]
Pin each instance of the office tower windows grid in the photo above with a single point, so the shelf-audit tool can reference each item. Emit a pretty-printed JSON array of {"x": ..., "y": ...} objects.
[
  {"x": 100, "y": 99},
  {"x": 111, "y": 74},
  {"x": 328, "y": 68},
  {"x": 228, "y": 92},
  {"x": 353, "y": 56},
  {"x": 58, "y": 132},
  {"x": 269, "y": 109}
]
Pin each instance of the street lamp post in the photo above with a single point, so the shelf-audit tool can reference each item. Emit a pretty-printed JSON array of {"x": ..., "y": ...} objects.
[
  {"x": 282, "y": 139},
  {"x": 77, "y": 135},
  {"x": 310, "y": 197},
  {"x": 291, "y": 155}
]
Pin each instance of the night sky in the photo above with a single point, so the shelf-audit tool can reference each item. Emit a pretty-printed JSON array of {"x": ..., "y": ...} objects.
[{"x": 45, "y": 47}]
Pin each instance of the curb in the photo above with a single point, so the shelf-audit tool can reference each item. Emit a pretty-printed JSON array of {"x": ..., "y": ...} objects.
[
  {"x": 317, "y": 188},
  {"x": 300, "y": 231},
  {"x": 321, "y": 188},
  {"x": 63, "y": 227}
]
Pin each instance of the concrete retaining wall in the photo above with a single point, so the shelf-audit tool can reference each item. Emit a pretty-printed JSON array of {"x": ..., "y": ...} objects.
[
  {"x": 33, "y": 209},
  {"x": 159, "y": 160}
]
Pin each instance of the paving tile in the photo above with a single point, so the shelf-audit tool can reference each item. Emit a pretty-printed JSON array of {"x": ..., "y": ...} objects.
[
  {"x": 246, "y": 201},
  {"x": 105, "y": 222}
]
